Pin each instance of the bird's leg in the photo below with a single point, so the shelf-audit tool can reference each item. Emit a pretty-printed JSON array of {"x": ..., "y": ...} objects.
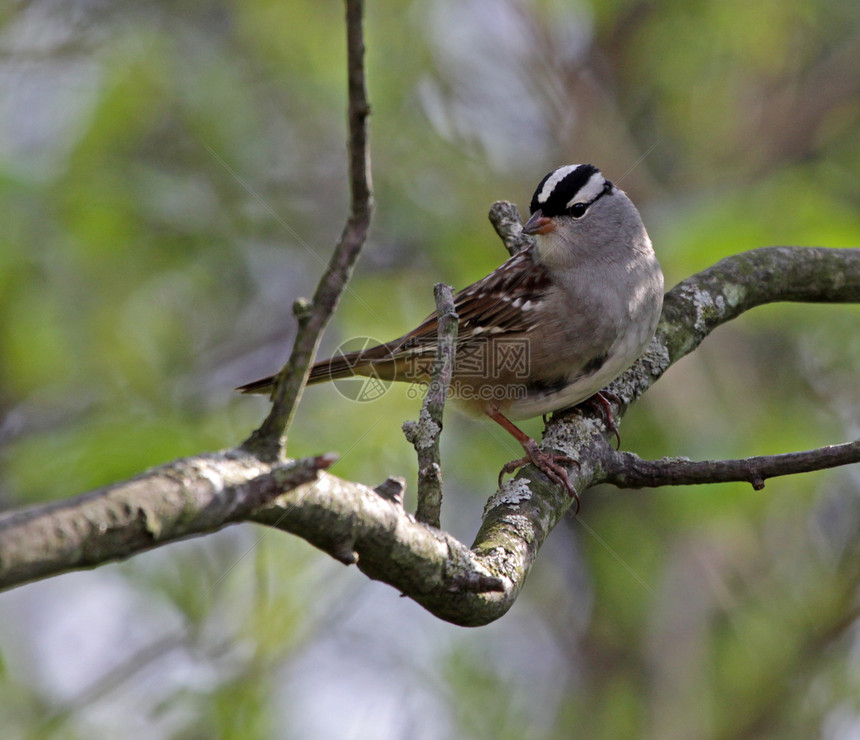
[
  {"x": 544, "y": 461},
  {"x": 601, "y": 400}
]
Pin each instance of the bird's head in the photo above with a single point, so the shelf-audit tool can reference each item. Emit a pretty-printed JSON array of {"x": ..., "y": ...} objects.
[{"x": 575, "y": 208}]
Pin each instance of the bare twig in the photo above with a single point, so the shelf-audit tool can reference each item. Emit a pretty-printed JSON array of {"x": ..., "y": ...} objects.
[
  {"x": 424, "y": 434},
  {"x": 630, "y": 471},
  {"x": 505, "y": 218},
  {"x": 269, "y": 440}
]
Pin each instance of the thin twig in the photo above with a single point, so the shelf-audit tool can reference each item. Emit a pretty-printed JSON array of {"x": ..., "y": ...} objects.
[
  {"x": 269, "y": 440},
  {"x": 630, "y": 471},
  {"x": 424, "y": 434},
  {"x": 505, "y": 218}
]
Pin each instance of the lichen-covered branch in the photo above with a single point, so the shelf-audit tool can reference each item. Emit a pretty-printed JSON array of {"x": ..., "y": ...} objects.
[
  {"x": 699, "y": 304},
  {"x": 424, "y": 434},
  {"x": 704, "y": 301},
  {"x": 186, "y": 497},
  {"x": 269, "y": 440}
]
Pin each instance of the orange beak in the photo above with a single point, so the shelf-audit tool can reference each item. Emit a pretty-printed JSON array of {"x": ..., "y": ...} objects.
[{"x": 538, "y": 224}]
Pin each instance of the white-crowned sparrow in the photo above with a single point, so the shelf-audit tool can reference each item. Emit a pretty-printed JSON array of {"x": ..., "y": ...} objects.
[{"x": 551, "y": 326}]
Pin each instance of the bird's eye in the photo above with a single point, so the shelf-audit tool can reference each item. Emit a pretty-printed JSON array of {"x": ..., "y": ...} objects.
[{"x": 577, "y": 210}]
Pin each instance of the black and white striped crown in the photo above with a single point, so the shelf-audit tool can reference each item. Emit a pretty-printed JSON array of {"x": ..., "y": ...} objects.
[{"x": 565, "y": 186}]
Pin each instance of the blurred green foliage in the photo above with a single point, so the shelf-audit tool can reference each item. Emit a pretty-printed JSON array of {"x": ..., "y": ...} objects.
[{"x": 172, "y": 177}]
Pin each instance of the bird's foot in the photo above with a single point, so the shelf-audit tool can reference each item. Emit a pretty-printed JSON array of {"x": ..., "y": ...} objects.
[
  {"x": 602, "y": 401},
  {"x": 547, "y": 463}
]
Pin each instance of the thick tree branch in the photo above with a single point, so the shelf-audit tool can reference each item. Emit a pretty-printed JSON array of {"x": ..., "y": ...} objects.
[
  {"x": 269, "y": 440},
  {"x": 355, "y": 524},
  {"x": 185, "y": 497},
  {"x": 704, "y": 301},
  {"x": 424, "y": 434}
]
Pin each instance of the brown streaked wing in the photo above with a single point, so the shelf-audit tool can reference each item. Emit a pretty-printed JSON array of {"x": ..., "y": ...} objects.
[{"x": 494, "y": 301}]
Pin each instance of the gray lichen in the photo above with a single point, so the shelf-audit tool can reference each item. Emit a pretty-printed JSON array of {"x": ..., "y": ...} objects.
[{"x": 513, "y": 492}]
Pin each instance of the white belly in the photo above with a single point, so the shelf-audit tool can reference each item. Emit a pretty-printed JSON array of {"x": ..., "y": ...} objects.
[{"x": 621, "y": 356}]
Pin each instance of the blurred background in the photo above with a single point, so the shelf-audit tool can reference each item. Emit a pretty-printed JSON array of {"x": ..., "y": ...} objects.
[{"x": 173, "y": 177}]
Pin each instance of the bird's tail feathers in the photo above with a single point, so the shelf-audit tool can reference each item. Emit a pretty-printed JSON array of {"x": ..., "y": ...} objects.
[{"x": 342, "y": 365}]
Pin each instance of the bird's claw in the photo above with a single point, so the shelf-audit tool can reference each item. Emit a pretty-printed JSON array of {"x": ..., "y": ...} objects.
[
  {"x": 601, "y": 400},
  {"x": 548, "y": 463}
]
